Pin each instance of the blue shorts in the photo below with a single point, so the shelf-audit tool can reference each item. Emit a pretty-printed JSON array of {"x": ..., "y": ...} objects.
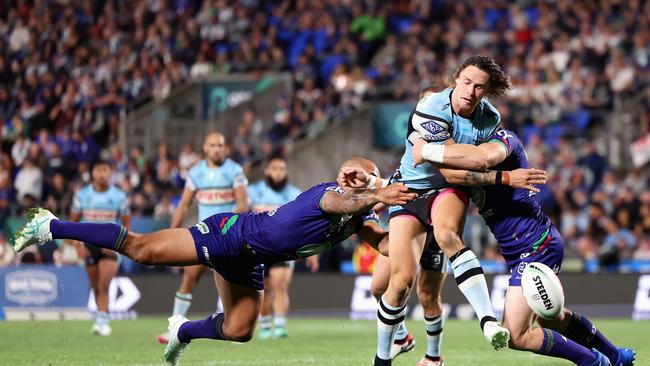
[
  {"x": 549, "y": 252},
  {"x": 219, "y": 247}
]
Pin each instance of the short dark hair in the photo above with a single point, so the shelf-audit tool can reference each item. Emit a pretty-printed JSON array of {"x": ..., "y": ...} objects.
[
  {"x": 102, "y": 162},
  {"x": 498, "y": 83},
  {"x": 275, "y": 156},
  {"x": 431, "y": 88}
]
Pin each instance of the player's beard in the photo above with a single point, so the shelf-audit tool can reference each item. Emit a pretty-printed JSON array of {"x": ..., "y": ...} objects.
[{"x": 276, "y": 186}]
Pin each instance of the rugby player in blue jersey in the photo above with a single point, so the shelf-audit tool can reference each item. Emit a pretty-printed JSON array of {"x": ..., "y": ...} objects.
[
  {"x": 100, "y": 202},
  {"x": 267, "y": 195},
  {"x": 460, "y": 114},
  {"x": 526, "y": 234},
  {"x": 236, "y": 246}
]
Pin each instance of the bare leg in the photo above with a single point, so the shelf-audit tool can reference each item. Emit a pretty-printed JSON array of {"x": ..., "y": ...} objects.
[
  {"x": 241, "y": 306},
  {"x": 107, "y": 270},
  {"x": 448, "y": 217},
  {"x": 93, "y": 276},
  {"x": 191, "y": 277},
  {"x": 429, "y": 288},
  {"x": 519, "y": 318},
  {"x": 405, "y": 246},
  {"x": 380, "y": 277},
  {"x": 169, "y": 247},
  {"x": 280, "y": 280}
]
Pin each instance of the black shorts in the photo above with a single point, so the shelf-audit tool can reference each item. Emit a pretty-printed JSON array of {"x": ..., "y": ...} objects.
[
  {"x": 96, "y": 254},
  {"x": 432, "y": 259}
]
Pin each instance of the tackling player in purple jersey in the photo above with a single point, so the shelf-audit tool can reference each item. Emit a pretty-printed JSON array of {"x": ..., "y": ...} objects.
[
  {"x": 526, "y": 234},
  {"x": 237, "y": 246}
]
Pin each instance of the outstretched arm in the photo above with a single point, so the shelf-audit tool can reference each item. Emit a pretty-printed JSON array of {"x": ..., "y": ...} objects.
[
  {"x": 355, "y": 201},
  {"x": 458, "y": 156},
  {"x": 520, "y": 178}
]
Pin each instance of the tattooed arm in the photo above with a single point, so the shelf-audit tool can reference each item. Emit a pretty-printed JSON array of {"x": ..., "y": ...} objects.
[
  {"x": 520, "y": 178},
  {"x": 355, "y": 201}
]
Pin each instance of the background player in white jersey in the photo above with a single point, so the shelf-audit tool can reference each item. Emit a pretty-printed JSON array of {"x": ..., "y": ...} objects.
[
  {"x": 100, "y": 202},
  {"x": 266, "y": 195},
  {"x": 457, "y": 114},
  {"x": 219, "y": 185}
]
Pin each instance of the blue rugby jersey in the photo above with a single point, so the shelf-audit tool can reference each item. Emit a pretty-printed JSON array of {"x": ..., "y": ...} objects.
[
  {"x": 514, "y": 216},
  {"x": 434, "y": 120},
  {"x": 215, "y": 186},
  {"x": 107, "y": 206},
  {"x": 264, "y": 198}
]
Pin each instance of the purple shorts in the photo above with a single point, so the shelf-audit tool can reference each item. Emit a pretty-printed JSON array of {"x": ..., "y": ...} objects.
[
  {"x": 218, "y": 246},
  {"x": 550, "y": 252}
]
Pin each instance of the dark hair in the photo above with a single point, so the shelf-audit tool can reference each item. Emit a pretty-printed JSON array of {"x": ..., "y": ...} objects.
[
  {"x": 498, "y": 83},
  {"x": 275, "y": 156},
  {"x": 102, "y": 162}
]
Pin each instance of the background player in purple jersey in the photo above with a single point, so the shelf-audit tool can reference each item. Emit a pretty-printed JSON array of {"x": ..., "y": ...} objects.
[
  {"x": 525, "y": 235},
  {"x": 237, "y": 247}
]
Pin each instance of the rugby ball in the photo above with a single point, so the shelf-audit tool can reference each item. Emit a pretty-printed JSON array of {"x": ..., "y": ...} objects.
[{"x": 542, "y": 290}]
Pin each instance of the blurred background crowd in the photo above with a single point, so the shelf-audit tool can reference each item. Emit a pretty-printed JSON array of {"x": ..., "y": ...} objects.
[{"x": 71, "y": 72}]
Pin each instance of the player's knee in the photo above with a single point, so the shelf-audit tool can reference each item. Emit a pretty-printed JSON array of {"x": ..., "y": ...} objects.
[
  {"x": 140, "y": 252},
  {"x": 402, "y": 284},
  {"x": 378, "y": 289},
  {"x": 430, "y": 301},
  {"x": 240, "y": 333},
  {"x": 446, "y": 237}
]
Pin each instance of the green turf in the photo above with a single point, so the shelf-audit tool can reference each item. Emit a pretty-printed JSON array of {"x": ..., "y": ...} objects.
[{"x": 311, "y": 342}]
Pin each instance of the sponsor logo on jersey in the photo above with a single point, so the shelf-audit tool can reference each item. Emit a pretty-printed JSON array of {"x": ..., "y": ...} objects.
[
  {"x": 202, "y": 227},
  {"x": 215, "y": 196},
  {"x": 98, "y": 215},
  {"x": 206, "y": 254},
  {"x": 437, "y": 131}
]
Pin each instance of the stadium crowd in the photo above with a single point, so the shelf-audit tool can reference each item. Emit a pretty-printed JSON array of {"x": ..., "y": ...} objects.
[{"x": 71, "y": 72}]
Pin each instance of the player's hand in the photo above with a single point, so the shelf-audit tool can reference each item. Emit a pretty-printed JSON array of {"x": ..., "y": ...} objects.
[
  {"x": 312, "y": 263},
  {"x": 525, "y": 178},
  {"x": 354, "y": 177},
  {"x": 395, "y": 194},
  {"x": 416, "y": 151}
]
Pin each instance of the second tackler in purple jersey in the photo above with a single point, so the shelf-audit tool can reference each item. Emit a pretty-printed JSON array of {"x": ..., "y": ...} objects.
[{"x": 514, "y": 216}]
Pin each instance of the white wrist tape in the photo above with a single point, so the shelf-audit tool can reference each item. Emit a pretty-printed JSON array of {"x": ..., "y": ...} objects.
[
  {"x": 433, "y": 153},
  {"x": 384, "y": 183}
]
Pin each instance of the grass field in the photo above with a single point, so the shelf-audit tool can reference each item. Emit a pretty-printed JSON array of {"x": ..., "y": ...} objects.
[{"x": 311, "y": 342}]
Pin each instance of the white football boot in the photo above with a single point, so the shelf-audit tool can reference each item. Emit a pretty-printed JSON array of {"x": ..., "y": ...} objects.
[
  {"x": 174, "y": 349},
  {"x": 36, "y": 230},
  {"x": 497, "y": 335}
]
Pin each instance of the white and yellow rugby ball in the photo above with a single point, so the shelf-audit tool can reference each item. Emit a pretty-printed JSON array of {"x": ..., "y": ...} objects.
[{"x": 542, "y": 290}]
